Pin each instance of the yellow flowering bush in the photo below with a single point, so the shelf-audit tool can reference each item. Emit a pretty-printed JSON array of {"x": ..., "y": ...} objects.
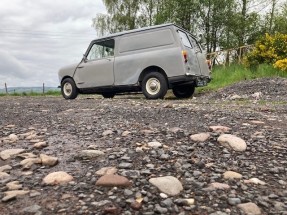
[
  {"x": 281, "y": 65},
  {"x": 269, "y": 49}
]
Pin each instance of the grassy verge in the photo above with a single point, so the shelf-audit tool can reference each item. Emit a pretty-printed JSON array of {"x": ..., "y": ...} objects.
[
  {"x": 48, "y": 93},
  {"x": 222, "y": 77}
]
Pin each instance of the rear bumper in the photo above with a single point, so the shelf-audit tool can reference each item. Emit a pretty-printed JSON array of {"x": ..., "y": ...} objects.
[{"x": 198, "y": 81}]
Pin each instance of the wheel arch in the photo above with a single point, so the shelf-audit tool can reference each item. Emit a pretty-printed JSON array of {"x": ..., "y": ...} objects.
[
  {"x": 65, "y": 77},
  {"x": 152, "y": 69}
]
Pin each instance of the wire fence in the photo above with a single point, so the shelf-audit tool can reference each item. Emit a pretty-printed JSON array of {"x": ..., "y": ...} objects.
[{"x": 28, "y": 90}]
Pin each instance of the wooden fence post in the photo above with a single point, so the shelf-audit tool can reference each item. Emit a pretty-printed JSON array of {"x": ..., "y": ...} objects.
[
  {"x": 43, "y": 88},
  {"x": 6, "y": 90}
]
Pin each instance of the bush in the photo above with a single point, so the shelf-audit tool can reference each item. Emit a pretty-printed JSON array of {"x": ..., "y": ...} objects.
[
  {"x": 268, "y": 50},
  {"x": 281, "y": 65}
]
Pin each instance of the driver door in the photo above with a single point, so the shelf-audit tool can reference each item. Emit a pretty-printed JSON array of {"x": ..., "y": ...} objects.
[{"x": 97, "y": 70}]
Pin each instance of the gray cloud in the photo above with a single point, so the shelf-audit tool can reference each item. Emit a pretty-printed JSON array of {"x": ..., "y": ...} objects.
[{"x": 39, "y": 37}]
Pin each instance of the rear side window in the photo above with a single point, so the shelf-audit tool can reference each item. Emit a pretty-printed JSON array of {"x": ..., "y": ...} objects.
[
  {"x": 196, "y": 44},
  {"x": 184, "y": 38}
]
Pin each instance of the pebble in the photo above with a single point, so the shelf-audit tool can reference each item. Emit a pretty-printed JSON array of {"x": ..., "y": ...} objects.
[
  {"x": 6, "y": 154},
  {"x": 249, "y": 208},
  {"x": 107, "y": 171},
  {"x": 231, "y": 175},
  {"x": 234, "y": 201},
  {"x": 91, "y": 154},
  {"x": 168, "y": 185},
  {"x": 113, "y": 181},
  {"x": 154, "y": 145},
  {"x": 57, "y": 178},
  {"x": 232, "y": 142},
  {"x": 14, "y": 185},
  {"x": 9, "y": 195},
  {"x": 202, "y": 137},
  {"x": 48, "y": 160}
]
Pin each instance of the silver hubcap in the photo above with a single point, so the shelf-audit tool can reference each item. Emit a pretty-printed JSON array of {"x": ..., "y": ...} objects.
[
  {"x": 153, "y": 86},
  {"x": 68, "y": 89}
]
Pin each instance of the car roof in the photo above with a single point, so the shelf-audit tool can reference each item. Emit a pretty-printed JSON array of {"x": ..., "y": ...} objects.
[{"x": 138, "y": 30}]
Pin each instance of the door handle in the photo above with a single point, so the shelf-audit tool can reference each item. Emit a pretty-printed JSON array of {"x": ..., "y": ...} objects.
[
  {"x": 80, "y": 67},
  {"x": 108, "y": 59}
]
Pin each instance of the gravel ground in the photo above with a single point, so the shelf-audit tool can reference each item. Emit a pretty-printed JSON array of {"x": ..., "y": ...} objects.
[{"x": 142, "y": 142}]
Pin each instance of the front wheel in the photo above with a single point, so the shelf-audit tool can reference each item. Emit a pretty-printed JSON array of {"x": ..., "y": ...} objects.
[
  {"x": 154, "y": 85},
  {"x": 69, "y": 89},
  {"x": 183, "y": 92}
]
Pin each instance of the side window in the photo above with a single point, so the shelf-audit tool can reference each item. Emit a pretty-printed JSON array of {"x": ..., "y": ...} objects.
[
  {"x": 184, "y": 38},
  {"x": 102, "y": 49},
  {"x": 196, "y": 45}
]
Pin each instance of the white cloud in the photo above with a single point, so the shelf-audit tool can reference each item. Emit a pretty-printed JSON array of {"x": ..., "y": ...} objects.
[{"x": 39, "y": 37}]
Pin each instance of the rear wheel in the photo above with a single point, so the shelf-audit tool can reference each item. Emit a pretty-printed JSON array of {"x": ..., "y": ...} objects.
[
  {"x": 69, "y": 89},
  {"x": 108, "y": 95},
  {"x": 154, "y": 85},
  {"x": 184, "y": 91}
]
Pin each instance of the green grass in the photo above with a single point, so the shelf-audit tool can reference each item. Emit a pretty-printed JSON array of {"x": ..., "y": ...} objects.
[
  {"x": 225, "y": 76},
  {"x": 48, "y": 93}
]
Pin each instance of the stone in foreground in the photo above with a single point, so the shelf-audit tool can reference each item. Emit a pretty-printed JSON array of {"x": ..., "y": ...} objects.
[
  {"x": 107, "y": 171},
  {"x": 56, "y": 178},
  {"x": 219, "y": 129},
  {"x": 9, "y": 195},
  {"x": 254, "y": 181},
  {"x": 202, "y": 137},
  {"x": 4, "y": 175},
  {"x": 113, "y": 181},
  {"x": 14, "y": 185},
  {"x": 91, "y": 154},
  {"x": 168, "y": 185},
  {"x": 232, "y": 142},
  {"x": 48, "y": 160},
  {"x": 231, "y": 175},
  {"x": 217, "y": 186},
  {"x": 6, "y": 154},
  {"x": 249, "y": 209},
  {"x": 154, "y": 145}
]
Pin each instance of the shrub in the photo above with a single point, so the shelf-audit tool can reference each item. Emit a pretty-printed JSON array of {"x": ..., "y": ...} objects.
[
  {"x": 269, "y": 49},
  {"x": 281, "y": 65}
]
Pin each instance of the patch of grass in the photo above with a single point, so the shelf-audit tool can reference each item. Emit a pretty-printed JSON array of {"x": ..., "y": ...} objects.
[
  {"x": 225, "y": 76},
  {"x": 48, "y": 93}
]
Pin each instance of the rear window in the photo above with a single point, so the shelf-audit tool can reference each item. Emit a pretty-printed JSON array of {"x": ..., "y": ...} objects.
[{"x": 184, "y": 38}]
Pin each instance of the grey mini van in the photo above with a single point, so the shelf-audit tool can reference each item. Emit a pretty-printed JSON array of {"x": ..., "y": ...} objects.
[{"x": 149, "y": 60}]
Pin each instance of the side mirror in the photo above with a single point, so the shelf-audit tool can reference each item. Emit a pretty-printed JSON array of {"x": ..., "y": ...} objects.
[{"x": 84, "y": 58}]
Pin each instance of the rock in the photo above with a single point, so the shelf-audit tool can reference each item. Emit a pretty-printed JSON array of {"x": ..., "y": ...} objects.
[
  {"x": 175, "y": 129},
  {"x": 27, "y": 163},
  {"x": 48, "y": 160},
  {"x": 189, "y": 202},
  {"x": 217, "y": 186},
  {"x": 249, "y": 209},
  {"x": 167, "y": 203},
  {"x": 234, "y": 201},
  {"x": 168, "y": 185},
  {"x": 231, "y": 175},
  {"x": 9, "y": 195},
  {"x": 125, "y": 165},
  {"x": 27, "y": 155},
  {"x": 202, "y": 137},
  {"x": 5, "y": 168},
  {"x": 14, "y": 185},
  {"x": 40, "y": 145},
  {"x": 107, "y": 133},
  {"x": 33, "y": 209},
  {"x": 126, "y": 133},
  {"x": 113, "y": 210},
  {"x": 236, "y": 97},
  {"x": 154, "y": 145},
  {"x": 56, "y": 178},
  {"x": 113, "y": 181},
  {"x": 257, "y": 95},
  {"x": 4, "y": 175},
  {"x": 232, "y": 142},
  {"x": 6, "y": 154},
  {"x": 163, "y": 195},
  {"x": 107, "y": 171},
  {"x": 13, "y": 138},
  {"x": 161, "y": 210},
  {"x": 256, "y": 122},
  {"x": 219, "y": 129},
  {"x": 91, "y": 154},
  {"x": 254, "y": 181},
  {"x": 136, "y": 205},
  {"x": 128, "y": 192}
]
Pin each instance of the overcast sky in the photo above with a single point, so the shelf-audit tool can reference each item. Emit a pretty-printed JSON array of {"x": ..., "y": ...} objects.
[{"x": 38, "y": 37}]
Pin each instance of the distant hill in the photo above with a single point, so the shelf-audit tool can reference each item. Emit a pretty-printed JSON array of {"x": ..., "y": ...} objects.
[{"x": 29, "y": 89}]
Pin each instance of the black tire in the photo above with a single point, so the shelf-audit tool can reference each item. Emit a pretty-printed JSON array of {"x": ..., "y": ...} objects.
[
  {"x": 184, "y": 91},
  {"x": 154, "y": 85},
  {"x": 108, "y": 95},
  {"x": 69, "y": 89}
]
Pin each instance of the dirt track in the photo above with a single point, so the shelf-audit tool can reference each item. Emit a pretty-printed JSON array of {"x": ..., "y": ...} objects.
[{"x": 122, "y": 129}]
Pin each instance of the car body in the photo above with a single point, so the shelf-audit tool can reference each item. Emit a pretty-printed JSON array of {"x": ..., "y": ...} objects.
[{"x": 149, "y": 60}]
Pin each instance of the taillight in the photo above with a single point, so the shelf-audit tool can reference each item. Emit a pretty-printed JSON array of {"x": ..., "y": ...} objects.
[{"x": 184, "y": 54}]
